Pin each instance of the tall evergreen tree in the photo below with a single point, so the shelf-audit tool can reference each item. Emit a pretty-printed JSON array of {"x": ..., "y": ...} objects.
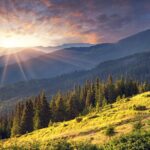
[
  {"x": 60, "y": 113},
  {"x": 110, "y": 93},
  {"x": 41, "y": 112},
  {"x": 16, "y": 127},
  {"x": 27, "y": 118},
  {"x": 72, "y": 106},
  {"x": 44, "y": 111}
]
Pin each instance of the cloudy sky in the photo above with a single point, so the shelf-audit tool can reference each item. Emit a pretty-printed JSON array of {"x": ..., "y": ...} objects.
[{"x": 54, "y": 22}]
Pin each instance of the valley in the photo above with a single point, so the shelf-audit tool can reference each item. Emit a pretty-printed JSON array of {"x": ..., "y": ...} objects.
[{"x": 74, "y": 75}]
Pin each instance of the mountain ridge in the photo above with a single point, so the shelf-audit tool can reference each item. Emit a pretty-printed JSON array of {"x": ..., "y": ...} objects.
[
  {"x": 136, "y": 66},
  {"x": 72, "y": 59}
]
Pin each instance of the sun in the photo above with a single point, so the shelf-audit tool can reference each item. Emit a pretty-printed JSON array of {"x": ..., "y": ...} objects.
[
  {"x": 10, "y": 43},
  {"x": 18, "y": 41}
]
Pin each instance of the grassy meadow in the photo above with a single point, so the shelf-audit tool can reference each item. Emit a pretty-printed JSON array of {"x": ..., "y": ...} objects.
[{"x": 91, "y": 128}]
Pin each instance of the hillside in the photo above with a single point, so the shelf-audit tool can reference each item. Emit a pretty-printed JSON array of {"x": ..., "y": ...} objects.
[
  {"x": 76, "y": 58},
  {"x": 64, "y": 46},
  {"x": 40, "y": 67},
  {"x": 135, "y": 66},
  {"x": 23, "y": 54},
  {"x": 122, "y": 115}
]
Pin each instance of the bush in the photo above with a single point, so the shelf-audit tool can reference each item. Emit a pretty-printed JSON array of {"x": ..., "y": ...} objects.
[
  {"x": 139, "y": 107},
  {"x": 148, "y": 95},
  {"x": 118, "y": 98},
  {"x": 50, "y": 123},
  {"x": 137, "y": 126},
  {"x": 108, "y": 106},
  {"x": 65, "y": 125},
  {"x": 127, "y": 99},
  {"x": 78, "y": 119},
  {"x": 59, "y": 144},
  {"x": 148, "y": 122},
  {"x": 110, "y": 131},
  {"x": 64, "y": 145},
  {"x": 130, "y": 142},
  {"x": 85, "y": 146},
  {"x": 93, "y": 116}
]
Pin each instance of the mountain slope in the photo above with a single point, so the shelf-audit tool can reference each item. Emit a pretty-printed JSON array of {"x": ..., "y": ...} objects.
[
  {"x": 41, "y": 67},
  {"x": 19, "y": 56},
  {"x": 91, "y": 127},
  {"x": 90, "y": 56},
  {"x": 71, "y": 59},
  {"x": 64, "y": 46},
  {"x": 135, "y": 66}
]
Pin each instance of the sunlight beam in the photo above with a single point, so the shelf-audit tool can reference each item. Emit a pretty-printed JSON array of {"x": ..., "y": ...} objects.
[
  {"x": 20, "y": 67},
  {"x": 5, "y": 69}
]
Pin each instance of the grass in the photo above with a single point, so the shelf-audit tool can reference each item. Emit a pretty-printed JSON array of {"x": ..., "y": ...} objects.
[{"x": 92, "y": 127}]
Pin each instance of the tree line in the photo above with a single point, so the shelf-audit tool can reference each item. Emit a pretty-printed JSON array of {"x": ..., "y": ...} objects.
[{"x": 36, "y": 113}]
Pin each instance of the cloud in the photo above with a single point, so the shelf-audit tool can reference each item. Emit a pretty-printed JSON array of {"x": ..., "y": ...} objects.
[{"x": 62, "y": 21}]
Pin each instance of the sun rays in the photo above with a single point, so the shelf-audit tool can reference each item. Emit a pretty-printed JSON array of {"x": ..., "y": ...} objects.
[
  {"x": 18, "y": 68},
  {"x": 6, "y": 70}
]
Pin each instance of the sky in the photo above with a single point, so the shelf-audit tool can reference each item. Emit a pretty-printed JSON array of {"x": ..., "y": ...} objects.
[{"x": 28, "y": 23}]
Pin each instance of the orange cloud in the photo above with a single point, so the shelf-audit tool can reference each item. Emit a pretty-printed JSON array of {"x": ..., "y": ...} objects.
[{"x": 92, "y": 38}]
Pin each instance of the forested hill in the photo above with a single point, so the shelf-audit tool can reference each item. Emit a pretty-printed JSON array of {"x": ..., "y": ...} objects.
[
  {"x": 36, "y": 112},
  {"x": 125, "y": 121},
  {"x": 135, "y": 66}
]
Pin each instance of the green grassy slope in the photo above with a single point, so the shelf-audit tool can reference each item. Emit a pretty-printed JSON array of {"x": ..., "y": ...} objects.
[{"x": 122, "y": 115}]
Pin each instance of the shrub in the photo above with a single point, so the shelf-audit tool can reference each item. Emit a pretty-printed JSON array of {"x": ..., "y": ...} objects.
[
  {"x": 59, "y": 144},
  {"x": 85, "y": 146},
  {"x": 118, "y": 98},
  {"x": 127, "y": 99},
  {"x": 129, "y": 142},
  {"x": 55, "y": 124},
  {"x": 93, "y": 116},
  {"x": 148, "y": 95},
  {"x": 78, "y": 119},
  {"x": 148, "y": 122},
  {"x": 137, "y": 126},
  {"x": 50, "y": 123},
  {"x": 65, "y": 125},
  {"x": 110, "y": 131},
  {"x": 139, "y": 107},
  {"x": 108, "y": 106}
]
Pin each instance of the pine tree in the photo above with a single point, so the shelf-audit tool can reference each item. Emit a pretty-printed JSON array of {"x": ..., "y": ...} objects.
[
  {"x": 53, "y": 109},
  {"x": 60, "y": 108},
  {"x": 72, "y": 106},
  {"x": 104, "y": 102},
  {"x": 88, "y": 99},
  {"x": 37, "y": 118},
  {"x": 110, "y": 93},
  {"x": 131, "y": 88},
  {"x": 27, "y": 118},
  {"x": 97, "y": 93},
  {"x": 41, "y": 112},
  {"x": 44, "y": 111},
  {"x": 16, "y": 127},
  {"x": 120, "y": 87}
]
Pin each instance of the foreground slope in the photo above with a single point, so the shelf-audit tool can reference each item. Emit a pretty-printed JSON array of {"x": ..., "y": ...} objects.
[{"x": 122, "y": 115}]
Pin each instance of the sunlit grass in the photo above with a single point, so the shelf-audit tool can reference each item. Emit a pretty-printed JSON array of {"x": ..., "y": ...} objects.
[{"x": 92, "y": 126}]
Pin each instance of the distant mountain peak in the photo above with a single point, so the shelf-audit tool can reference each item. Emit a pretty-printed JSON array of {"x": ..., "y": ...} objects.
[
  {"x": 140, "y": 35},
  {"x": 76, "y": 45}
]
